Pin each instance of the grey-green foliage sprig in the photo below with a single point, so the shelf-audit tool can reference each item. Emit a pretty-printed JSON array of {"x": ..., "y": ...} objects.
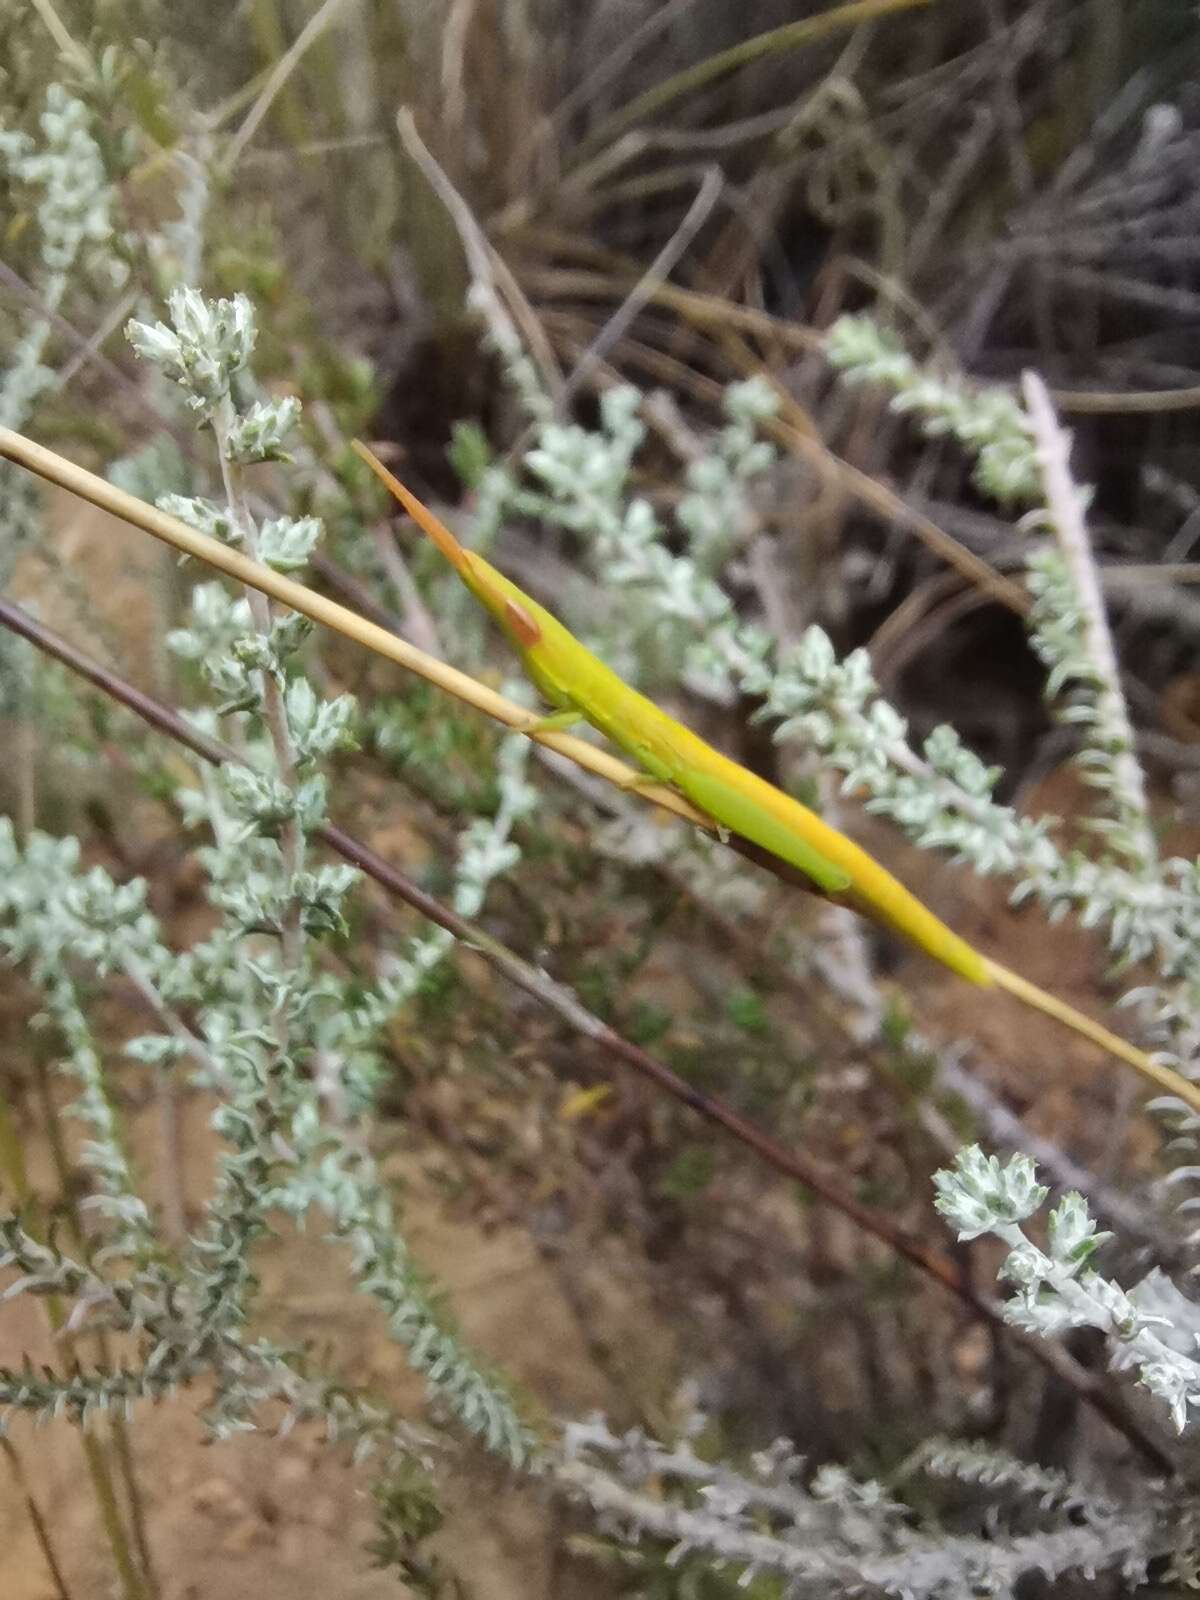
[
  {"x": 287, "y": 1050},
  {"x": 65, "y": 177},
  {"x": 1070, "y": 630},
  {"x": 1020, "y": 457},
  {"x": 154, "y": 1308},
  {"x": 61, "y": 177},
  {"x": 280, "y": 1142},
  {"x": 1057, "y": 1288},
  {"x": 202, "y": 348},
  {"x": 988, "y": 422},
  {"x": 831, "y": 1533},
  {"x": 943, "y": 797},
  {"x": 346, "y": 1184},
  {"x": 67, "y": 174},
  {"x": 55, "y": 918},
  {"x": 1005, "y": 1478}
]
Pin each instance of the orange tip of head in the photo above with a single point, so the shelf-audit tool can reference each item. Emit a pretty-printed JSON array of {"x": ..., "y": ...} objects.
[{"x": 430, "y": 525}]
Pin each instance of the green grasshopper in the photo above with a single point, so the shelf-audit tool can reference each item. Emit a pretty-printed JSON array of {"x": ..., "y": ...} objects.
[{"x": 581, "y": 687}]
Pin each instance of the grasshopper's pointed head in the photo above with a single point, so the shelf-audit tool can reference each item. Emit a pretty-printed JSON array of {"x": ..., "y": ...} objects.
[
  {"x": 421, "y": 514},
  {"x": 512, "y": 609}
]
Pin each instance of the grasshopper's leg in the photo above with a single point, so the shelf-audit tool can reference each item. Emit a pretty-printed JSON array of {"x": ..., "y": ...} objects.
[
  {"x": 655, "y": 773},
  {"x": 555, "y": 719},
  {"x": 640, "y": 783},
  {"x": 733, "y": 810}
]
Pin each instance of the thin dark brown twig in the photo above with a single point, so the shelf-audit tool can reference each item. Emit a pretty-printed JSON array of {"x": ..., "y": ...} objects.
[
  {"x": 556, "y": 997},
  {"x": 657, "y": 272}
]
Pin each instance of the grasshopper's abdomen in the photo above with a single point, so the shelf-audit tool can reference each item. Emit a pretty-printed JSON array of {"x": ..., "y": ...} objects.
[{"x": 749, "y": 806}]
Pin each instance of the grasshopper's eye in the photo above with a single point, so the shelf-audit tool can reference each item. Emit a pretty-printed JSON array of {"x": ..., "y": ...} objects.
[{"x": 521, "y": 623}]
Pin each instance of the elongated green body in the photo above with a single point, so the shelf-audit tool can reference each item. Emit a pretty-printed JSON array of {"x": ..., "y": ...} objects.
[
  {"x": 569, "y": 675},
  {"x": 571, "y": 678}
]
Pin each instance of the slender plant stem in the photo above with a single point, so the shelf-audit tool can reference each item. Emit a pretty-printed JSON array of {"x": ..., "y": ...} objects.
[
  {"x": 1129, "y": 400},
  {"x": 170, "y": 1135},
  {"x": 658, "y": 271},
  {"x": 278, "y": 77},
  {"x": 556, "y": 997},
  {"x": 1065, "y": 503},
  {"x": 26, "y": 762},
  {"x": 12, "y": 1156},
  {"x": 134, "y": 1585},
  {"x": 291, "y": 835},
  {"x": 123, "y": 1444}
]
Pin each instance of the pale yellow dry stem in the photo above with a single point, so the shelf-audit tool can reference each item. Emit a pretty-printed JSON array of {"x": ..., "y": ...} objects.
[
  {"x": 99, "y": 492},
  {"x": 1050, "y": 1006},
  {"x": 58, "y": 31},
  {"x": 279, "y": 75},
  {"x": 486, "y": 265}
]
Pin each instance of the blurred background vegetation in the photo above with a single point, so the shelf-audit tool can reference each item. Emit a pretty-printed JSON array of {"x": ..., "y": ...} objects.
[{"x": 677, "y": 193}]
